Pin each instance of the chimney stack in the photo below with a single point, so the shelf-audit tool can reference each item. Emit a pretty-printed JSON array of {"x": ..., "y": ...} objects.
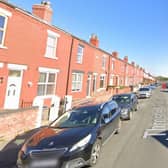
[
  {"x": 133, "y": 63},
  {"x": 94, "y": 40},
  {"x": 126, "y": 58},
  {"x": 115, "y": 54},
  {"x": 43, "y": 11}
]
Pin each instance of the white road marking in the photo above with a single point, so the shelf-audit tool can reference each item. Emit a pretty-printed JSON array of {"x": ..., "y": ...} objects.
[{"x": 159, "y": 123}]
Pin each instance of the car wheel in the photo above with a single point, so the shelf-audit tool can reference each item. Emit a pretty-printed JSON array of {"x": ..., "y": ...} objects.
[
  {"x": 118, "y": 127},
  {"x": 95, "y": 153}
]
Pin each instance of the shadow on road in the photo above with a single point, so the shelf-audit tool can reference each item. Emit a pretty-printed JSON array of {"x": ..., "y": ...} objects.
[
  {"x": 163, "y": 139},
  {"x": 8, "y": 155}
]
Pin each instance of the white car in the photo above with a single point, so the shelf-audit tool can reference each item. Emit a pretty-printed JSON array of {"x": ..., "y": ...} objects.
[{"x": 144, "y": 92}]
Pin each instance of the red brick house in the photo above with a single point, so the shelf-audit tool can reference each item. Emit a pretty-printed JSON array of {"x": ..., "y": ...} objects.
[
  {"x": 31, "y": 55},
  {"x": 38, "y": 59}
]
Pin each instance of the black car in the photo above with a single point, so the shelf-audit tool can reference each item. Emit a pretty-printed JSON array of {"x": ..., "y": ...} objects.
[
  {"x": 128, "y": 103},
  {"x": 73, "y": 140}
]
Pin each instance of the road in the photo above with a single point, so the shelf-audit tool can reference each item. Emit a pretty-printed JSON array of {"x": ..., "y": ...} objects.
[
  {"x": 143, "y": 141},
  {"x": 134, "y": 147}
]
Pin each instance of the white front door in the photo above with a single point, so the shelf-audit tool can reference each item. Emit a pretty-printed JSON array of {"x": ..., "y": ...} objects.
[
  {"x": 88, "y": 90},
  {"x": 13, "y": 89}
]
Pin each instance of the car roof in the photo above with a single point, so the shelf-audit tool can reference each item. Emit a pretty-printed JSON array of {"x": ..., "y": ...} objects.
[
  {"x": 95, "y": 106},
  {"x": 124, "y": 94}
]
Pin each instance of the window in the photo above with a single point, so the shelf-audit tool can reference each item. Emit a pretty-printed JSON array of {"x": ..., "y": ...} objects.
[
  {"x": 51, "y": 45},
  {"x": 80, "y": 54},
  {"x": 94, "y": 83},
  {"x": 4, "y": 15},
  {"x": 46, "y": 84},
  {"x": 104, "y": 62},
  {"x": 111, "y": 80},
  {"x": 77, "y": 79},
  {"x": 102, "y": 81},
  {"x": 112, "y": 65},
  {"x": 47, "y": 81},
  {"x": 3, "y": 20}
]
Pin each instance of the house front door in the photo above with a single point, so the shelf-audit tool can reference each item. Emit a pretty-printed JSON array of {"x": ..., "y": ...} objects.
[{"x": 13, "y": 89}]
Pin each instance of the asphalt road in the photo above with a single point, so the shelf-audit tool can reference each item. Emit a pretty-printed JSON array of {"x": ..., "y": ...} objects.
[{"x": 143, "y": 141}]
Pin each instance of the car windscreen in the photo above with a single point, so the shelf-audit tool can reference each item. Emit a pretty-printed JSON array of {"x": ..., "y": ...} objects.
[
  {"x": 144, "y": 89},
  {"x": 122, "y": 99},
  {"x": 76, "y": 118}
]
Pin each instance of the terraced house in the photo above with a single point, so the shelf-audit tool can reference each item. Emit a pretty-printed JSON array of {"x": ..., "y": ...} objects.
[{"x": 39, "y": 60}]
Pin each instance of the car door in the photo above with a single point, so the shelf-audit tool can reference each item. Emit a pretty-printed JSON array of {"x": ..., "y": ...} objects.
[
  {"x": 135, "y": 102},
  {"x": 115, "y": 116},
  {"x": 105, "y": 123}
]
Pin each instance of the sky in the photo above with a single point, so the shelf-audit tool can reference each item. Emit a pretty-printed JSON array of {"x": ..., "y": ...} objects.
[{"x": 135, "y": 28}]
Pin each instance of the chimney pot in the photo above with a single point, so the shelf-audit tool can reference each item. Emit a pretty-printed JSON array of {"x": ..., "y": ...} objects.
[
  {"x": 126, "y": 58},
  {"x": 43, "y": 11},
  {"x": 133, "y": 63},
  {"x": 115, "y": 54},
  {"x": 94, "y": 40}
]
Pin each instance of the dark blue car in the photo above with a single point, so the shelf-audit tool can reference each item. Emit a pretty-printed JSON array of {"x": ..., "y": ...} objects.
[
  {"x": 73, "y": 140},
  {"x": 128, "y": 103}
]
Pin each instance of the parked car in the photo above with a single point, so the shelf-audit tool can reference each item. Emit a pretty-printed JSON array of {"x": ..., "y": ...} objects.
[
  {"x": 144, "y": 92},
  {"x": 128, "y": 103},
  {"x": 164, "y": 87},
  {"x": 74, "y": 139},
  {"x": 152, "y": 86}
]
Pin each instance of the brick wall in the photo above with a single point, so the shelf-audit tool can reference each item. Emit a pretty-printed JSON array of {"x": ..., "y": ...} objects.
[
  {"x": 16, "y": 122},
  {"x": 124, "y": 90}
]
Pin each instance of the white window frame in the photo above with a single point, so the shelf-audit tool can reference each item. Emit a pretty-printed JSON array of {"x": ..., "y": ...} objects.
[
  {"x": 104, "y": 81},
  {"x": 79, "y": 58},
  {"x": 47, "y": 71},
  {"x": 111, "y": 81},
  {"x": 54, "y": 35},
  {"x": 4, "y": 13},
  {"x": 77, "y": 82},
  {"x": 104, "y": 62},
  {"x": 1, "y": 65}
]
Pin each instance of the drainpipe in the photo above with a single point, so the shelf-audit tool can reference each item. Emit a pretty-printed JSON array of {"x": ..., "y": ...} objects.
[
  {"x": 108, "y": 72},
  {"x": 69, "y": 66},
  {"x": 68, "y": 74}
]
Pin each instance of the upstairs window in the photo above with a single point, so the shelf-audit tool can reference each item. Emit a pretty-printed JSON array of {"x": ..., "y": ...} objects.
[
  {"x": 80, "y": 54},
  {"x": 112, "y": 65},
  {"x": 3, "y": 20},
  {"x": 51, "y": 46},
  {"x": 104, "y": 62},
  {"x": 4, "y": 14}
]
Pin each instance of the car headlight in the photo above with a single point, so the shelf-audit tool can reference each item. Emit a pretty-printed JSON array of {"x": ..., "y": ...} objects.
[
  {"x": 124, "y": 111},
  {"x": 81, "y": 143}
]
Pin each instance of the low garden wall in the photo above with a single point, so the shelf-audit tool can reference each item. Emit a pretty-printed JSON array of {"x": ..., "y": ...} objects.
[{"x": 16, "y": 122}]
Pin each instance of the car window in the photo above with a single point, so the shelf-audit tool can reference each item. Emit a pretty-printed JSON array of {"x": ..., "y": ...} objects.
[
  {"x": 113, "y": 111},
  {"x": 122, "y": 99},
  {"x": 76, "y": 118},
  {"x": 144, "y": 89},
  {"x": 106, "y": 115}
]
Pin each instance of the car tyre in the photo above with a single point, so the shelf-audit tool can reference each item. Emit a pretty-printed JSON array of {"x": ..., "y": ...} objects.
[{"x": 95, "y": 153}]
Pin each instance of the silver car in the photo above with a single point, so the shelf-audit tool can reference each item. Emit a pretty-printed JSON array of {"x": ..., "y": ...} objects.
[{"x": 144, "y": 92}]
